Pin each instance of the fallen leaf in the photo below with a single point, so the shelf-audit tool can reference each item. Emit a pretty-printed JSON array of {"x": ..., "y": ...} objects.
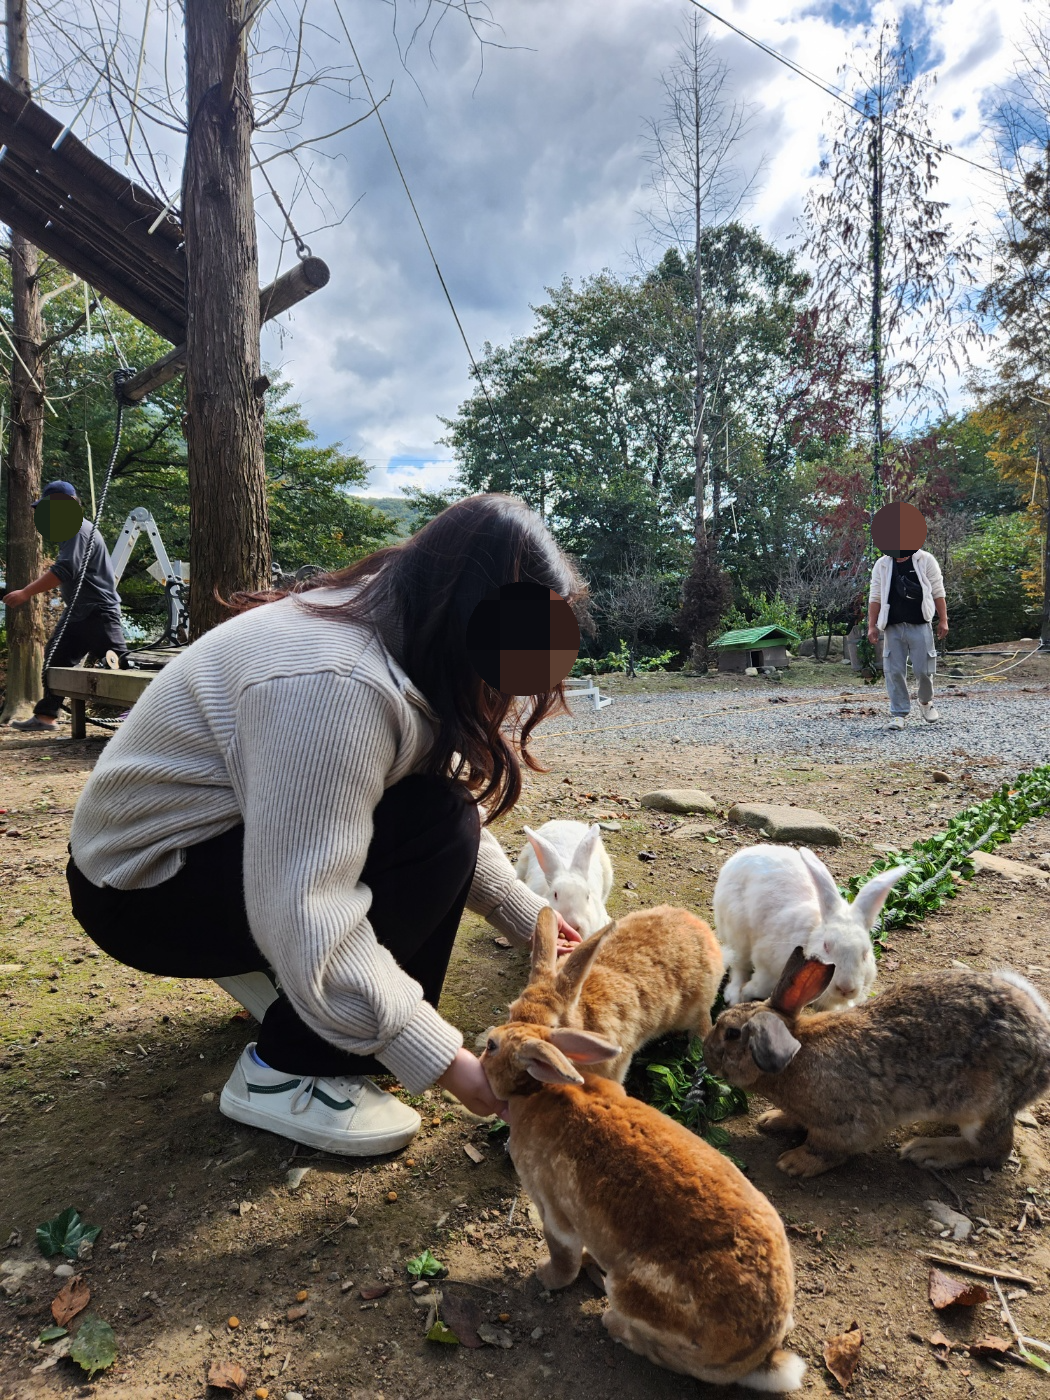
[
  {"x": 95, "y": 1345},
  {"x": 73, "y": 1299},
  {"x": 990, "y": 1346},
  {"x": 473, "y": 1153},
  {"x": 65, "y": 1234},
  {"x": 440, "y": 1333},
  {"x": 51, "y": 1334},
  {"x": 946, "y": 1292},
  {"x": 464, "y": 1316},
  {"x": 941, "y": 1347},
  {"x": 369, "y": 1293},
  {"x": 842, "y": 1354},
  {"x": 502, "y": 942},
  {"x": 227, "y": 1375}
]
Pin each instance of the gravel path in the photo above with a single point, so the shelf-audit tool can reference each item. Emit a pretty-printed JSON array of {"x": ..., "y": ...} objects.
[{"x": 997, "y": 726}]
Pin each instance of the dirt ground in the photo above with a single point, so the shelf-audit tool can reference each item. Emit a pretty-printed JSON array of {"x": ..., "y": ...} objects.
[{"x": 109, "y": 1082}]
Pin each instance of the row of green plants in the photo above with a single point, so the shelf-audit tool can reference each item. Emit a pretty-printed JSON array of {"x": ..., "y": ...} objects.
[{"x": 671, "y": 1074}]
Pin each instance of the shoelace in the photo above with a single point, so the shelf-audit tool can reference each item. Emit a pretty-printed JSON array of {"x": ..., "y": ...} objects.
[{"x": 304, "y": 1094}]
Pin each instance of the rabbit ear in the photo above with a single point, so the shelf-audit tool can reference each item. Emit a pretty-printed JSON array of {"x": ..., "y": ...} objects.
[
  {"x": 546, "y": 1063},
  {"x": 801, "y": 982},
  {"x": 575, "y": 967},
  {"x": 581, "y": 857},
  {"x": 549, "y": 859},
  {"x": 872, "y": 896},
  {"x": 544, "y": 945},
  {"x": 582, "y": 1047},
  {"x": 827, "y": 890},
  {"x": 770, "y": 1043}
]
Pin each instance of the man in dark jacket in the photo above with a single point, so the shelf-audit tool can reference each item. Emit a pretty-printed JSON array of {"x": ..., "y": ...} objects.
[{"x": 92, "y": 626}]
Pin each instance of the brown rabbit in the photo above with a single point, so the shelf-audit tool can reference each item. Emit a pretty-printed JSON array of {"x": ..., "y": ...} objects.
[
  {"x": 696, "y": 1261},
  {"x": 969, "y": 1048},
  {"x": 652, "y": 972}
]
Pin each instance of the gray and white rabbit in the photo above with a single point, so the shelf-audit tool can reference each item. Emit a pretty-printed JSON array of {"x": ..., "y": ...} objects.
[
  {"x": 770, "y": 899},
  {"x": 967, "y": 1048},
  {"x": 566, "y": 863}
]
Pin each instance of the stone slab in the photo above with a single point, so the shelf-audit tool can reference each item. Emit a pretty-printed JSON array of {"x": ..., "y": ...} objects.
[
  {"x": 800, "y": 824},
  {"x": 987, "y": 864},
  {"x": 680, "y": 800}
]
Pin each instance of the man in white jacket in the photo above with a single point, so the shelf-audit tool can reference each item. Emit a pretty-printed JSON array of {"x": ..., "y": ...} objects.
[{"x": 907, "y": 592}]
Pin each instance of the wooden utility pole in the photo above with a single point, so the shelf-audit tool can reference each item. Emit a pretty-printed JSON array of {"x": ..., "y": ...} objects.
[
  {"x": 229, "y": 526},
  {"x": 25, "y": 455}
]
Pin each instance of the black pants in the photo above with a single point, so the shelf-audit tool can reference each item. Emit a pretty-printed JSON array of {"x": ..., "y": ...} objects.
[
  {"x": 420, "y": 866},
  {"x": 93, "y": 635}
]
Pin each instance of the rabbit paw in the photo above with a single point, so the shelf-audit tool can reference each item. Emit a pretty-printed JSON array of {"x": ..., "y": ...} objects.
[
  {"x": 557, "y": 1274},
  {"x": 938, "y": 1151},
  {"x": 803, "y": 1161},
  {"x": 776, "y": 1121}
]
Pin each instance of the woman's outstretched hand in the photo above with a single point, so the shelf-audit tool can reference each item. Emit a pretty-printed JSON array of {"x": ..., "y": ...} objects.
[
  {"x": 568, "y": 937},
  {"x": 466, "y": 1078}
]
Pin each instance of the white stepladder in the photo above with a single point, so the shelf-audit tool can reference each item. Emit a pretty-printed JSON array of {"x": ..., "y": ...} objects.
[{"x": 585, "y": 686}]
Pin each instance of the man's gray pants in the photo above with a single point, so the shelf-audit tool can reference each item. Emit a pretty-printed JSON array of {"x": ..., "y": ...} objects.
[{"x": 901, "y": 640}]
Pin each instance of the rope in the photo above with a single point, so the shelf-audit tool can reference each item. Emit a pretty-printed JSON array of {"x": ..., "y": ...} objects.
[
  {"x": 119, "y": 378},
  {"x": 300, "y": 247}
]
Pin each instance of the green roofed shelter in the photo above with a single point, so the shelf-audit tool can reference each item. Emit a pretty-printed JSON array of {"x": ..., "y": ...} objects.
[{"x": 754, "y": 647}]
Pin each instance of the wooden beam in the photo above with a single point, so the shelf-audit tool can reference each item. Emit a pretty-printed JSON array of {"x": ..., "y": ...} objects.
[
  {"x": 49, "y": 239},
  {"x": 299, "y": 282},
  {"x": 94, "y": 683}
]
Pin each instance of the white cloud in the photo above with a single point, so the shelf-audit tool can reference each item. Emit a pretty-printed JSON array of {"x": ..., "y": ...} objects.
[{"x": 534, "y": 168}]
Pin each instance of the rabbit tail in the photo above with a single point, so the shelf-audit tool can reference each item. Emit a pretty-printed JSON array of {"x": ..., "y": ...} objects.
[
  {"x": 780, "y": 1372},
  {"x": 1007, "y": 974}
]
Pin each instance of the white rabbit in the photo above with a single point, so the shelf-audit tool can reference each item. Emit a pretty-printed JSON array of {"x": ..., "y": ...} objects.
[
  {"x": 566, "y": 863},
  {"x": 771, "y": 899}
]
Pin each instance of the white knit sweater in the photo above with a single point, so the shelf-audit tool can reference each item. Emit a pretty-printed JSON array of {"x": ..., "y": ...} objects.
[{"x": 295, "y": 725}]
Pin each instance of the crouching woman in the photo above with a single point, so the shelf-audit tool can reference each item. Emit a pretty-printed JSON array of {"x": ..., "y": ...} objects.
[{"x": 293, "y": 809}]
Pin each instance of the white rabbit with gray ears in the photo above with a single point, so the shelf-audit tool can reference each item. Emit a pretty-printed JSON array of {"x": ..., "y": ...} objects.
[
  {"x": 567, "y": 865},
  {"x": 771, "y": 899}
]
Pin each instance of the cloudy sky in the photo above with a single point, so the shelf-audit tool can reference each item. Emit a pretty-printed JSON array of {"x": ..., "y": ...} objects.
[{"x": 527, "y": 163}]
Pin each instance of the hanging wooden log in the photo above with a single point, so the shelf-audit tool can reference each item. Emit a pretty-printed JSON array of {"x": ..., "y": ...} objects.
[{"x": 299, "y": 282}]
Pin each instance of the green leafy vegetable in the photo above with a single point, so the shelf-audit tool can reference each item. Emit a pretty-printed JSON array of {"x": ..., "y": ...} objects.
[
  {"x": 65, "y": 1234},
  {"x": 678, "y": 1083},
  {"x": 938, "y": 860},
  {"x": 52, "y": 1334},
  {"x": 95, "y": 1345},
  {"x": 440, "y": 1333},
  {"x": 425, "y": 1265}
]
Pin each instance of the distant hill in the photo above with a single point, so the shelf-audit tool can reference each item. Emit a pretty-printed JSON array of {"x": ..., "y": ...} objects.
[{"x": 398, "y": 507}]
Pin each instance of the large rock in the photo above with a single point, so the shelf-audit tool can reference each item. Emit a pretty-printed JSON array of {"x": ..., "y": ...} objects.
[
  {"x": 987, "y": 864},
  {"x": 680, "y": 800},
  {"x": 787, "y": 823},
  {"x": 806, "y": 647}
]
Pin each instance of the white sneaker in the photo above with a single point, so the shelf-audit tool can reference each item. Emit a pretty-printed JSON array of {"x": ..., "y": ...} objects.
[
  {"x": 348, "y": 1115},
  {"x": 896, "y": 722},
  {"x": 928, "y": 712},
  {"x": 254, "y": 990}
]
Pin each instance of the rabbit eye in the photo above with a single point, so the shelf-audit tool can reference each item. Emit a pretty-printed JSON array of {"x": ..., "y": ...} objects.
[
  {"x": 732, "y": 1033},
  {"x": 492, "y": 1045}
]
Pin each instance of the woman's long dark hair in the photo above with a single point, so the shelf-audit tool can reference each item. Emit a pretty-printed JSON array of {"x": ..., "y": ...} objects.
[{"x": 431, "y": 583}]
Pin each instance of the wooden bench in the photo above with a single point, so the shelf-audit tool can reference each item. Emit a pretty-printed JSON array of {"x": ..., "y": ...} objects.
[
  {"x": 82, "y": 683},
  {"x": 585, "y": 686}
]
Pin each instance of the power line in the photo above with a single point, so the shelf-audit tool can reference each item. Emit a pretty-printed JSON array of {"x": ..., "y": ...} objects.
[
  {"x": 839, "y": 96},
  {"x": 430, "y": 250}
]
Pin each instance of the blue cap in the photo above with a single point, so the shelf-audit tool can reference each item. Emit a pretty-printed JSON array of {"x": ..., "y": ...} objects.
[{"x": 56, "y": 488}]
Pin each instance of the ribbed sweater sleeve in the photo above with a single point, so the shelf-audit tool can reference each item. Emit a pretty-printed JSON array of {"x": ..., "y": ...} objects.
[
  {"x": 499, "y": 896},
  {"x": 308, "y": 764}
]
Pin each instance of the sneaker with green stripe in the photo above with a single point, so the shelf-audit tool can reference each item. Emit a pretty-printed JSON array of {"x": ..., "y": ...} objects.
[{"x": 348, "y": 1114}]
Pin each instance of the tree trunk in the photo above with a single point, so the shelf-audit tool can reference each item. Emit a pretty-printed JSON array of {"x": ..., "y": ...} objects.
[
  {"x": 699, "y": 385},
  {"x": 1044, "y": 625},
  {"x": 229, "y": 527},
  {"x": 25, "y": 625}
]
